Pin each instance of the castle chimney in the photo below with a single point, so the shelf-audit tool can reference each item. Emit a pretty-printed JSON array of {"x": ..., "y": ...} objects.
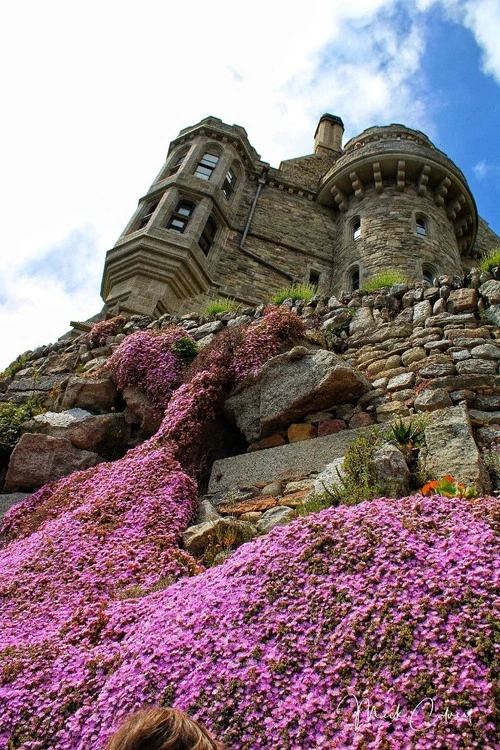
[{"x": 328, "y": 135}]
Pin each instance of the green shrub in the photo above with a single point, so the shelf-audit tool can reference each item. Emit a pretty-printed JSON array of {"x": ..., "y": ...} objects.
[
  {"x": 220, "y": 305},
  {"x": 186, "y": 349},
  {"x": 490, "y": 260},
  {"x": 385, "y": 279},
  {"x": 357, "y": 477},
  {"x": 407, "y": 433},
  {"x": 18, "y": 364},
  {"x": 295, "y": 292},
  {"x": 11, "y": 418}
]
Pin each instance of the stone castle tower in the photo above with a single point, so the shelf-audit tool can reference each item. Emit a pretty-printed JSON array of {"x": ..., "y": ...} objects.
[{"x": 219, "y": 221}]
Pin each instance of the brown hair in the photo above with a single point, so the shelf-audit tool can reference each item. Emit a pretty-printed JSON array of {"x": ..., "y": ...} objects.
[{"x": 162, "y": 729}]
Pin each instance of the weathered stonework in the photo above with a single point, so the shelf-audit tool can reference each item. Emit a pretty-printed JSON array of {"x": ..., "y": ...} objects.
[{"x": 335, "y": 218}]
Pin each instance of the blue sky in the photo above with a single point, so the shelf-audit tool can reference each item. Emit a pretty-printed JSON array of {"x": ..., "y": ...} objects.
[{"x": 93, "y": 93}]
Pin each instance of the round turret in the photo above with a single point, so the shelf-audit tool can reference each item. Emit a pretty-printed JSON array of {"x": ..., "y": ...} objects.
[{"x": 400, "y": 203}]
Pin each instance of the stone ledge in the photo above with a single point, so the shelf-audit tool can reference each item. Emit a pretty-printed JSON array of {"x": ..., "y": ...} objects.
[{"x": 285, "y": 461}]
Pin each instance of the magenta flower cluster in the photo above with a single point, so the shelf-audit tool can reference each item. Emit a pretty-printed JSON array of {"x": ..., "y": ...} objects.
[
  {"x": 100, "y": 331},
  {"x": 264, "y": 339},
  {"x": 149, "y": 359},
  {"x": 364, "y": 627}
]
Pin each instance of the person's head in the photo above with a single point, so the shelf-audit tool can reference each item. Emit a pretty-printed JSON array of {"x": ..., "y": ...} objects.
[{"x": 162, "y": 729}]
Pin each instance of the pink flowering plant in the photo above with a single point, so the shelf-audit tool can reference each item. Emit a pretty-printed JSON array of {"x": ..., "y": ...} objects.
[
  {"x": 152, "y": 360},
  {"x": 364, "y": 627},
  {"x": 100, "y": 331}
]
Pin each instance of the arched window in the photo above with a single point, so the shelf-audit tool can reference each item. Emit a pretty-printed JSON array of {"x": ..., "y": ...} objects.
[
  {"x": 148, "y": 213},
  {"x": 176, "y": 162},
  {"x": 356, "y": 228},
  {"x": 354, "y": 279},
  {"x": 421, "y": 225},
  {"x": 314, "y": 278},
  {"x": 428, "y": 274},
  {"x": 206, "y": 166}
]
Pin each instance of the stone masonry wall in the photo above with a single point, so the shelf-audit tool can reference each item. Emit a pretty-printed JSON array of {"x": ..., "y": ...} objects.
[{"x": 389, "y": 239}]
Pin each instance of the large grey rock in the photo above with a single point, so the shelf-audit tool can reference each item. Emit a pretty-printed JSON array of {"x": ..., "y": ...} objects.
[
  {"x": 331, "y": 476},
  {"x": 283, "y": 462},
  {"x": 274, "y": 517},
  {"x": 288, "y": 389},
  {"x": 223, "y": 532},
  {"x": 476, "y": 366},
  {"x": 207, "y": 329},
  {"x": 38, "y": 459},
  {"x": 391, "y": 471},
  {"x": 95, "y": 394},
  {"x": 421, "y": 312},
  {"x": 141, "y": 411},
  {"x": 486, "y": 351},
  {"x": 492, "y": 315},
  {"x": 451, "y": 448},
  {"x": 105, "y": 434},
  {"x": 382, "y": 332},
  {"x": 490, "y": 290},
  {"x": 431, "y": 400}
]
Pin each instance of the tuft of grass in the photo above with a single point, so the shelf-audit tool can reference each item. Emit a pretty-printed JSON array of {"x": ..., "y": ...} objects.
[
  {"x": 385, "y": 279},
  {"x": 220, "y": 305},
  {"x": 295, "y": 292},
  {"x": 490, "y": 260}
]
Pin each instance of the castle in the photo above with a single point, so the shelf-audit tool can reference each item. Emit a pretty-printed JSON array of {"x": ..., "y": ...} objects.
[{"x": 220, "y": 222}]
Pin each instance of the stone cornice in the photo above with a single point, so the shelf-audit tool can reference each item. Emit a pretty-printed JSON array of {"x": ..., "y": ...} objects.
[{"x": 381, "y": 163}]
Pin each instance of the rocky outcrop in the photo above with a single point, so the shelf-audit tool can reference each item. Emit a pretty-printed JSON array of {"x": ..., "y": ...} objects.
[
  {"x": 289, "y": 387},
  {"x": 38, "y": 459},
  {"x": 105, "y": 434},
  {"x": 451, "y": 449}
]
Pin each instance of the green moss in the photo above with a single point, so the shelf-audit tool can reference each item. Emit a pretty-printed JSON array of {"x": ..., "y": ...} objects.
[{"x": 298, "y": 291}]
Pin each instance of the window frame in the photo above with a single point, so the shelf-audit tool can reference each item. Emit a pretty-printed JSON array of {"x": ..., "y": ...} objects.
[
  {"x": 230, "y": 182},
  {"x": 207, "y": 236},
  {"x": 206, "y": 164},
  {"x": 146, "y": 217},
  {"x": 181, "y": 215},
  {"x": 421, "y": 226},
  {"x": 356, "y": 228}
]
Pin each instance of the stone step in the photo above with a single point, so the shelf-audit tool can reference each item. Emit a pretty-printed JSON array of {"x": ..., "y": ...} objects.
[{"x": 283, "y": 462}]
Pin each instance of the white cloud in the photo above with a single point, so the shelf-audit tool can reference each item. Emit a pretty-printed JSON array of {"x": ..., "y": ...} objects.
[
  {"x": 482, "y": 18},
  {"x": 481, "y": 169}
]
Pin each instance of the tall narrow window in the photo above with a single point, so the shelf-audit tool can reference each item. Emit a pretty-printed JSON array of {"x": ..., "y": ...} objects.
[
  {"x": 207, "y": 236},
  {"x": 145, "y": 218},
  {"x": 229, "y": 183},
  {"x": 180, "y": 217},
  {"x": 421, "y": 226},
  {"x": 356, "y": 228},
  {"x": 206, "y": 166},
  {"x": 314, "y": 279},
  {"x": 176, "y": 163},
  {"x": 355, "y": 280}
]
